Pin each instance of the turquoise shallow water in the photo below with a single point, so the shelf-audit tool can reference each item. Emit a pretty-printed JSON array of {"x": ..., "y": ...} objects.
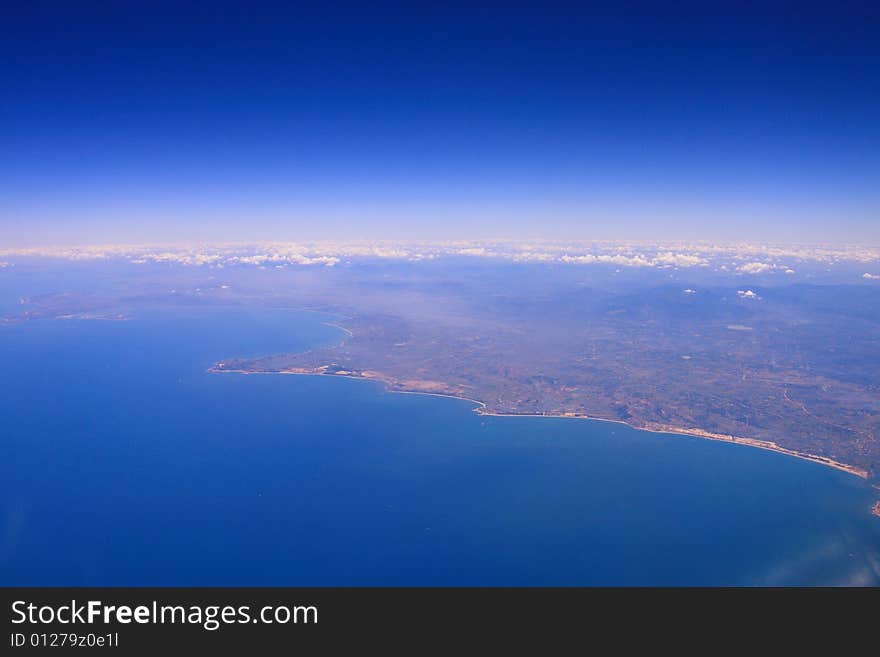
[{"x": 124, "y": 462}]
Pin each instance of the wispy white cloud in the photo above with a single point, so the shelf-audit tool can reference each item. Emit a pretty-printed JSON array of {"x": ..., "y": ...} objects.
[
  {"x": 741, "y": 258},
  {"x": 755, "y": 268},
  {"x": 672, "y": 259}
]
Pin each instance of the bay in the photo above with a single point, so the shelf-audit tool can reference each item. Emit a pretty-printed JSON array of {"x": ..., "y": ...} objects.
[{"x": 124, "y": 462}]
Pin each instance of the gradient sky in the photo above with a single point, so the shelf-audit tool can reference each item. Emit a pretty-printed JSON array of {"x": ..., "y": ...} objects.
[{"x": 218, "y": 121}]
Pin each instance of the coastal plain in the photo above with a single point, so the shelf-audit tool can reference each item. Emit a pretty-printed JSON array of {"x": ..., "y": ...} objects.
[
  {"x": 789, "y": 365},
  {"x": 799, "y": 374}
]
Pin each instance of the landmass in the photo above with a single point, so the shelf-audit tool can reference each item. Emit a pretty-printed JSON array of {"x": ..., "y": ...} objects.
[
  {"x": 804, "y": 380},
  {"x": 793, "y": 368},
  {"x": 438, "y": 389}
]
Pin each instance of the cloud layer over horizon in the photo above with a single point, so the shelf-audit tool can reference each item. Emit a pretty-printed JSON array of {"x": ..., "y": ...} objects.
[{"x": 743, "y": 259}]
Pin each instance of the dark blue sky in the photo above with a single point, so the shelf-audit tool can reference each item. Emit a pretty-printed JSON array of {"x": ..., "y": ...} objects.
[{"x": 219, "y": 121}]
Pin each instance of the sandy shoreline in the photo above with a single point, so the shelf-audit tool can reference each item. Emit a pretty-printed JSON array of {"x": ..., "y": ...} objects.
[
  {"x": 699, "y": 433},
  {"x": 341, "y": 328},
  {"x": 692, "y": 432}
]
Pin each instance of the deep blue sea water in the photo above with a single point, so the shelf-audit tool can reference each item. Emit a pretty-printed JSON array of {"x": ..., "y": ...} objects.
[{"x": 122, "y": 462}]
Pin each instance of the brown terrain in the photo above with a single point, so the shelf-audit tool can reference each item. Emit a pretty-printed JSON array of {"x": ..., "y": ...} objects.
[
  {"x": 791, "y": 368},
  {"x": 784, "y": 372}
]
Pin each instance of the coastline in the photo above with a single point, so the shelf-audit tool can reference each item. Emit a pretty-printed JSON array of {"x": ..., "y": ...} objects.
[
  {"x": 481, "y": 409},
  {"x": 708, "y": 435},
  {"x": 341, "y": 328}
]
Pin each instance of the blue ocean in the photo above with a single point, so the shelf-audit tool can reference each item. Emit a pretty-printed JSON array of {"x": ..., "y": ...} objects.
[{"x": 125, "y": 463}]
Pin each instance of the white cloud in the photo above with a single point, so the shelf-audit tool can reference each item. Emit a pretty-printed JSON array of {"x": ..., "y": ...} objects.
[
  {"x": 533, "y": 256},
  {"x": 679, "y": 259},
  {"x": 755, "y": 268},
  {"x": 742, "y": 258},
  {"x": 747, "y": 294},
  {"x": 871, "y": 277},
  {"x": 690, "y": 291}
]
